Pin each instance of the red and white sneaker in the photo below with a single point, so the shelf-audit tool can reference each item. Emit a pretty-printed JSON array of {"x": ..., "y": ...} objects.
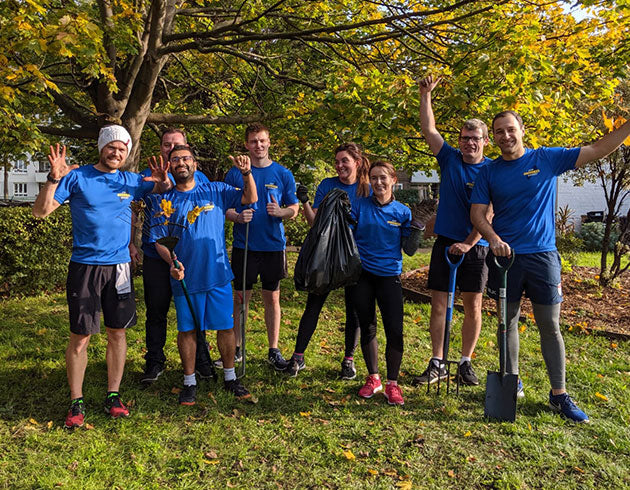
[
  {"x": 114, "y": 407},
  {"x": 76, "y": 415},
  {"x": 372, "y": 385},
  {"x": 393, "y": 393}
]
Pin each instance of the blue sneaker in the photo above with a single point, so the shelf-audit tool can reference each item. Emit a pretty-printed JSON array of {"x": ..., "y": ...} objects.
[
  {"x": 520, "y": 392},
  {"x": 567, "y": 407}
]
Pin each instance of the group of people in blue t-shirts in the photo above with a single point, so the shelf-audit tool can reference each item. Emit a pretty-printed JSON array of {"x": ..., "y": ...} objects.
[{"x": 486, "y": 209}]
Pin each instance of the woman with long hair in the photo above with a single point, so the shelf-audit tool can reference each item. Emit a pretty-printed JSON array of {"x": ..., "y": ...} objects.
[{"x": 352, "y": 176}]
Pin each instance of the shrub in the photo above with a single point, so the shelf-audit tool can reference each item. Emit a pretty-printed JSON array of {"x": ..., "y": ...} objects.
[
  {"x": 569, "y": 247},
  {"x": 407, "y": 196},
  {"x": 34, "y": 253},
  {"x": 592, "y": 235},
  {"x": 296, "y": 230}
]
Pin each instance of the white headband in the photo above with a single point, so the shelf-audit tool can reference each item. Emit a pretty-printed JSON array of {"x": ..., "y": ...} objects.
[{"x": 114, "y": 133}]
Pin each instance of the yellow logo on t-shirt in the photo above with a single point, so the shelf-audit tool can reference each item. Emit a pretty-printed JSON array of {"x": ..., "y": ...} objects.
[
  {"x": 529, "y": 173},
  {"x": 271, "y": 186},
  {"x": 393, "y": 223},
  {"x": 470, "y": 184},
  {"x": 123, "y": 195}
]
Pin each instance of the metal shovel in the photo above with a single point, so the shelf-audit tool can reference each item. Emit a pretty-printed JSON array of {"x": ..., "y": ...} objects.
[
  {"x": 243, "y": 316},
  {"x": 170, "y": 242},
  {"x": 447, "y": 324},
  {"x": 501, "y": 387}
]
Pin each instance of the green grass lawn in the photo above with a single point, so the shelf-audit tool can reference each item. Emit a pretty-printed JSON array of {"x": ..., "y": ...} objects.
[{"x": 311, "y": 431}]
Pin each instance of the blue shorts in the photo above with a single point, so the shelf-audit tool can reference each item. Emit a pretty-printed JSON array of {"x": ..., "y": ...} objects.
[
  {"x": 537, "y": 274},
  {"x": 212, "y": 308}
]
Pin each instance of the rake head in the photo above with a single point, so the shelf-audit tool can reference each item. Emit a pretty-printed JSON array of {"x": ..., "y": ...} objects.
[{"x": 169, "y": 242}]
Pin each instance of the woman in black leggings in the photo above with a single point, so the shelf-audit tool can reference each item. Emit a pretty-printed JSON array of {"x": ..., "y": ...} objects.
[
  {"x": 352, "y": 177},
  {"x": 384, "y": 226}
]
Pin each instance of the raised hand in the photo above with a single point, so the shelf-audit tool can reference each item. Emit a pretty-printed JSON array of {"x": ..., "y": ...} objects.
[
  {"x": 241, "y": 162},
  {"x": 57, "y": 159},
  {"x": 273, "y": 209},
  {"x": 427, "y": 84},
  {"x": 159, "y": 170},
  {"x": 302, "y": 193}
]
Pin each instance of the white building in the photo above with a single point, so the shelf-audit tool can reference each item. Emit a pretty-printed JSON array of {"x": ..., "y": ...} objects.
[{"x": 25, "y": 178}]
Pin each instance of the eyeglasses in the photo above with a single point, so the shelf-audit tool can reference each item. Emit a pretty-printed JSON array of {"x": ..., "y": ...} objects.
[
  {"x": 466, "y": 139},
  {"x": 185, "y": 159}
]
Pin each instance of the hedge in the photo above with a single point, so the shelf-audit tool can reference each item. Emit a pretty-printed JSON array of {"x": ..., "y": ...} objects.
[{"x": 34, "y": 253}]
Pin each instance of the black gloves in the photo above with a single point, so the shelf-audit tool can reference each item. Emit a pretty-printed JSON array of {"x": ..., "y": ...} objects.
[{"x": 302, "y": 193}]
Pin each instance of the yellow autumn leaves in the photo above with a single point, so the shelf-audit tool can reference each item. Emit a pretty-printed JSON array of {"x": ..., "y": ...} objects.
[{"x": 615, "y": 123}]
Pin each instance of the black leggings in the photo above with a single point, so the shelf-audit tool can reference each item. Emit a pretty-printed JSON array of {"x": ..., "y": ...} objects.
[
  {"x": 308, "y": 322},
  {"x": 387, "y": 292}
]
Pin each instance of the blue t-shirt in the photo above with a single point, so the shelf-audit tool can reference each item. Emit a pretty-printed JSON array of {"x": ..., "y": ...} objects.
[
  {"x": 379, "y": 233},
  {"x": 523, "y": 195},
  {"x": 457, "y": 179},
  {"x": 266, "y": 233},
  {"x": 100, "y": 205},
  {"x": 150, "y": 209},
  {"x": 198, "y": 219},
  {"x": 330, "y": 183}
]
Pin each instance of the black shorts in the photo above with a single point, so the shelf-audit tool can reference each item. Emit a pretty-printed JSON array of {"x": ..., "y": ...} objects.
[
  {"x": 472, "y": 274},
  {"x": 271, "y": 266},
  {"x": 91, "y": 289}
]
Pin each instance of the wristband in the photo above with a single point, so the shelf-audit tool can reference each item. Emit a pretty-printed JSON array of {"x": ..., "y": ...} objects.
[
  {"x": 51, "y": 180},
  {"x": 245, "y": 174}
]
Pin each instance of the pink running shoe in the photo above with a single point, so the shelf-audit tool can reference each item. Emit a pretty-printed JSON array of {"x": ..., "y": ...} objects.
[
  {"x": 393, "y": 393},
  {"x": 372, "y": 385}
]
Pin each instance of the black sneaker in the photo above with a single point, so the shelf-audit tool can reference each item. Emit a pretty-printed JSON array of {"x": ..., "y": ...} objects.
[
  {"x": 188, "y": 395},
  {"x": 430, "y": 375},
  {"x": 466, "y": 374},
  {"x": 348, "y": 370},
  {"x": 295, "y": 366},
  {"x": 237, "y": 389},
  {"x": 206, "y": 371},
  {"x": 152, "y": 373},
  {"x": 278, "y": 362},
  {"x": 76, "y": 414}
]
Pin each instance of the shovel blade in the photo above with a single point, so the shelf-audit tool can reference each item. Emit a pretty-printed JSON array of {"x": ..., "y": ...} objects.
[{"x": 501, "y": 396}]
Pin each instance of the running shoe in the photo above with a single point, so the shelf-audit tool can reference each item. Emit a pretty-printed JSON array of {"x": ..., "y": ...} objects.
[
  {"x": 238, "y": 357},
  {"x": 76, "y": 414},
  {"x": 152, "y": 373},
  {"x": 278, "y": 362},
  {"x": 295, "y": 366},
  {"x": 393, "y": 393},
  {"x": 348, "y": 370},
  {"x": 237, "y": 389},
  {"x": 430, "y": 375},
  {"x": 466, "y": 374},
  {"x": 372, "y": 386},
  {"x": 188, "y": 395},
  {"x": 564, "y": 404},
  {"x": 114, "y": 407}
]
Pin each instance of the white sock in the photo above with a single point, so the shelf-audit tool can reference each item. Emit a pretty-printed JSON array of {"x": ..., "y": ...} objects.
[
  {"x": 229, "y": 374},
  {"x": 464, "y": 359},
  {"x": 190, "y": 380}
]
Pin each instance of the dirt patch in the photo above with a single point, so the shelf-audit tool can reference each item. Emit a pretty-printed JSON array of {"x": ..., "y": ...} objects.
[{"x": 587, "y": 306}]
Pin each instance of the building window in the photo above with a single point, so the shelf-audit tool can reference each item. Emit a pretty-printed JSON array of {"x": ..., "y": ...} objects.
[
  {"x": 19, "y": 167},
  {"x": 398, "y": 187},
  {"x": 44, "y": 166},
  {"x": 19, "y": 189}
]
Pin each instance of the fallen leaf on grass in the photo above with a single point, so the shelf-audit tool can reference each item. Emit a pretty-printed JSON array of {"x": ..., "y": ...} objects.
[
  {"x": 468, "y": 434},
  {"x": 613, "y": 345},
  {"x": 33, "y": 421},
  {"x": 89, "y": 427},
  {"x": 330, "y": 390},
  {"x": 73, "y": 466},
  {"x": 41, "y": 331},
  {"x": 211, "y": 455},
  {"x": 211, "y": 461},
  {"x": 522, "y": 328},
  {"x": 305, "y": 414},
  {"x": 372, "y": 472},
  {"x": 577, "y": 468},
  {"x": 211, "y": 396},
  {"x": 349, "y": 455},
  {"x": 451, "y": 473},
  {"x": 176, "y": 390},
  {"x": 600, "y": 396},
  {"x": 418, "y": 319},
  {"x": 390, "y": 472},
  {"x": 49, "y": 424},
  {"x": 405, "y": 485}
]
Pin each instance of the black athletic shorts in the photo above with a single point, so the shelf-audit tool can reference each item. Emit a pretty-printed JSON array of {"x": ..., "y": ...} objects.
[
  {"x": 91, "y": 289},
  {"x": 472, "y": 274},
  {"x": 271, "y": 266}
]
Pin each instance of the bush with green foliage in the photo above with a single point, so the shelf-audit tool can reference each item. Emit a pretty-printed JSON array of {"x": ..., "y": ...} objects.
[
  {"x": 296, "y": 230},
  {"x": 569, "y": 246},
  {"x": 407, "y": 196},
  {"x": 34, "y": 253},
  {"x": 592, "y": 235}
]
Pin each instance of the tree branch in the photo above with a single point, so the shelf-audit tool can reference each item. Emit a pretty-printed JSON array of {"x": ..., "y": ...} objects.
[{"x": 158, "y": 118}]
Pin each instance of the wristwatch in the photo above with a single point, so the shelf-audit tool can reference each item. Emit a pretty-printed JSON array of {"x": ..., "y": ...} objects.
[
  {"x": 50, "y": 179},
  {"x": 245, "y": 174}
]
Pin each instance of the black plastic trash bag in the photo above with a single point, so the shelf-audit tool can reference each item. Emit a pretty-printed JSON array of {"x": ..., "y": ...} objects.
[{"x": 329, "y": 258}]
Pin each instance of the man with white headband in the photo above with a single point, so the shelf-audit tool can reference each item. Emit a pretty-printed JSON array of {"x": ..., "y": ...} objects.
[{"x": 99, "y": 277}]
